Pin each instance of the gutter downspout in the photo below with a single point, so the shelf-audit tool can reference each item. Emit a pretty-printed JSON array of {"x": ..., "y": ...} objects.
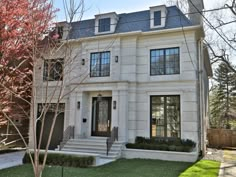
[{"x": 200, "y": 98}]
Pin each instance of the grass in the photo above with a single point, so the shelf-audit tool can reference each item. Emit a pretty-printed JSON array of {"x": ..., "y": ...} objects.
[
  {"x": 120, "y": 168},
  {"x": 203, "y": 168}
]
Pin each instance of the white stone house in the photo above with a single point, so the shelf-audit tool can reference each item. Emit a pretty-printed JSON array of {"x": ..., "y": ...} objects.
[{"x": 144, "y": 72}]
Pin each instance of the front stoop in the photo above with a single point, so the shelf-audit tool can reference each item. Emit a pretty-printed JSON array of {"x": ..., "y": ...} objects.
[{"x": 94, "y": 146}]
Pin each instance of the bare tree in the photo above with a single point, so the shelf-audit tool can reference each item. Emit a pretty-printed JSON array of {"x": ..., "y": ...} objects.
[{"x": 55, "y": 58}]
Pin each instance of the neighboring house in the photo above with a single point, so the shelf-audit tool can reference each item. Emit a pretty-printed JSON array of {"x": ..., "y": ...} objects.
[{"x": 147, "y": 74}]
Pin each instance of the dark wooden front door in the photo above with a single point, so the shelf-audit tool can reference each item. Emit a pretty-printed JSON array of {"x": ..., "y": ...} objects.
[{"x": 101, "y": 116}]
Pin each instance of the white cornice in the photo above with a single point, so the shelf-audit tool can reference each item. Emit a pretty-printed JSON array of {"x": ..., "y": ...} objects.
[{"x": 138, "y": 33}]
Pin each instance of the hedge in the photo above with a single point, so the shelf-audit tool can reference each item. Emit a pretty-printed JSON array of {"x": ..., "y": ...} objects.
[
  {"x": 163, "y": 144},
  {"x": 63, "y": 160}
]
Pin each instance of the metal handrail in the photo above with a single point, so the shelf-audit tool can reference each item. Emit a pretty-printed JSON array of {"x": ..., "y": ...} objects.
[
  {"x": 113, "y": 137},
  {"x": 68, "y": 134}
]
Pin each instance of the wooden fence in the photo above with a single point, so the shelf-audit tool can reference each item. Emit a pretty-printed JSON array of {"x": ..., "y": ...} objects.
[{"x": 221, "y": 138}]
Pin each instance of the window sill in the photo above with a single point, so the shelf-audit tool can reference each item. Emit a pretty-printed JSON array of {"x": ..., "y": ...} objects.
[{"x": 105, "y": 32}]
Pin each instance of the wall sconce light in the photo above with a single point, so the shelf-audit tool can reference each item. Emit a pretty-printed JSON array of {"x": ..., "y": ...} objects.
[
  {"x": 114, "y": 104},
  {"x": 83, "y": 61},
  {"x": 99, "y": 97},
  {"x": 78, "y": 105},
  {"x": 116, "y": 59}
]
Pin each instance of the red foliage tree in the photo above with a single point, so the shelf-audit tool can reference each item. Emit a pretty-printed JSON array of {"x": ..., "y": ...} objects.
[{"x": 22, "y": 24}]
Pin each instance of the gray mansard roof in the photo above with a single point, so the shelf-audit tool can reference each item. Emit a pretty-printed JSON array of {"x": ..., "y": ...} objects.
[{"x": 130, "y": 22}]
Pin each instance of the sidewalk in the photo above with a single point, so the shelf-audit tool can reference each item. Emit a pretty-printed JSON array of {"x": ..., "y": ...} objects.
[
  {"x": 228, "y": 166},
  {"x": 11, "y": 159}
]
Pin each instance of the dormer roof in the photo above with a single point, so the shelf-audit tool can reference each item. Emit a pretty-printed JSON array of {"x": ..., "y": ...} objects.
[{"x": 130, "y": 22}]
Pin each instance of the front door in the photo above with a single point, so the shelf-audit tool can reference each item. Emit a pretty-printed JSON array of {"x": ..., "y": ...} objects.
[{"x": 101, "y": 116}]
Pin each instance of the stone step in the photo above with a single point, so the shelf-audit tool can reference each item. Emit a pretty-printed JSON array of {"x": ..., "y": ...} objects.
[
  {"x": 79, "y": 143},
  {"x": 101, "y": 153},
  {"x": 94, "y": 145},
  {"x": 93, "y": 140},
  {"x": 91, "y": 146}
]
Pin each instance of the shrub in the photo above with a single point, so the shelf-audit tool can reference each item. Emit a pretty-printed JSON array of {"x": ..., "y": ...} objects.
[
  {"x": 164, "y": 147},
  {"x": 139, "y": 140},
  {"x": 179, "y": 148},
  {"x": 165, "y": 144},
  {"x": 63, "y": 160},
  {"x": 187, "y": 142},
  {"x": 187, "y": 148},
  {"x": 172, "y": 148}
]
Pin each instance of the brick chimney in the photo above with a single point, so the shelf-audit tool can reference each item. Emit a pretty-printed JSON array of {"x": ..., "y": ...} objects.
[{"x": 195, "y": 6}]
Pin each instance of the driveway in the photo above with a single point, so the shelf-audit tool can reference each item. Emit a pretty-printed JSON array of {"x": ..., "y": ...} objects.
[
  {"x": 228, "y": 166},
  {"x": 11, "y": 159}
]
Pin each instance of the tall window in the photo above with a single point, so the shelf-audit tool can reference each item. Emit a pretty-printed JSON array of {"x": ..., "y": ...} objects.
[
  {"x": 53, "y": 70},
  {"x": 100, "y": 64},
  {"x": 165, "y": 116},
  {"x": 104, "y": 24},
  {"x": 157, "y": 18},
  {"x": 164, "y": 61}
]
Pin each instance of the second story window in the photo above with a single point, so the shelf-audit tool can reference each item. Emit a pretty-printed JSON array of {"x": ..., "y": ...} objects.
[
  {"x": 104, "y": 25},
  {"x": 157, "y": 18},
  {"x": 53, "y": 70},
  {"x": 164, "y": 61},
  {"x": 100, "y": 64}
]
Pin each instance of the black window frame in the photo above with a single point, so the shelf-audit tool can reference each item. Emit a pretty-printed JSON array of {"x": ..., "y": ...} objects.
[
  {"x": 157, "y": 18},
  {"x": 165, "y": 73},
  {"x": 165, "y": 116},
  {"x": 100, "y": 64},
  {"x": 52, "y": 74},
  {"x": 104, "y": 25}
]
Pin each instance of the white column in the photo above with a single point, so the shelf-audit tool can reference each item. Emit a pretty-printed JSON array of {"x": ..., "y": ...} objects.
[
  {"x": 77, "y": 116},
  {"x": 81, "y": 128},
  {"x": 71, "y": 110},
  {"x": 115, "y": 112},
  {"x": 123, "y": 115}
]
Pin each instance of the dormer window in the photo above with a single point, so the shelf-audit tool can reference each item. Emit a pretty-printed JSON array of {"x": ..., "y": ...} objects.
[
  {"x": 158, "y": 16},
  {"x": 60, "y": 32},
  {"x": 104, "y": 25}
]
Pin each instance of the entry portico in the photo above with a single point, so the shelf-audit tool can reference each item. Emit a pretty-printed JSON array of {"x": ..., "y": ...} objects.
[{"x": 95, "y": 109}]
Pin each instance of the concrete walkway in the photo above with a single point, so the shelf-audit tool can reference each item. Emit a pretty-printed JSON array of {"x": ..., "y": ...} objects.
[
  {"x": 11, "y": 159},
  {"x": 228, "y": 166}
]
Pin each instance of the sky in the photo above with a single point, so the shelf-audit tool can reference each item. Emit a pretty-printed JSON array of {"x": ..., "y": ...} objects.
[{"x": 93, "y": 7}]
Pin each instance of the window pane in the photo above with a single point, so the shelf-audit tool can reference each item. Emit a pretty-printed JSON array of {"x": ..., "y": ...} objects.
[
  {"x": 158, "y": 121},
  {"x": 165, "y": 116},
  {"x": 94, "y": 66},
  {"x": 100, "y": 64},
  {"x": 172, "y": 61},
  {"x": 173, "y": 116},
  {"x": 104, "y": 24},
  {"x": 157, "y": 18},
  {"x": 164, "y": 61},
  {"x": 157, "y": 62},
  {"x": 53, "y": 70}
]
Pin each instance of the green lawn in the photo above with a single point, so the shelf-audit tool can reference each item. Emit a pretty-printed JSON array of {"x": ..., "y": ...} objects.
[
  {"x": 203, "y": 168},
  {"x": 120, "y": 168}
]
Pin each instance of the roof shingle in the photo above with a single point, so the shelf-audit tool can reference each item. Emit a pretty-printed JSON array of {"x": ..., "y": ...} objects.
[{"x": 130, "y": 22}]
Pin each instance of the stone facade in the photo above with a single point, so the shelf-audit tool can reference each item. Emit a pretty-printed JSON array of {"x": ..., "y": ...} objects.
[{"x": 130, "y": 84}]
